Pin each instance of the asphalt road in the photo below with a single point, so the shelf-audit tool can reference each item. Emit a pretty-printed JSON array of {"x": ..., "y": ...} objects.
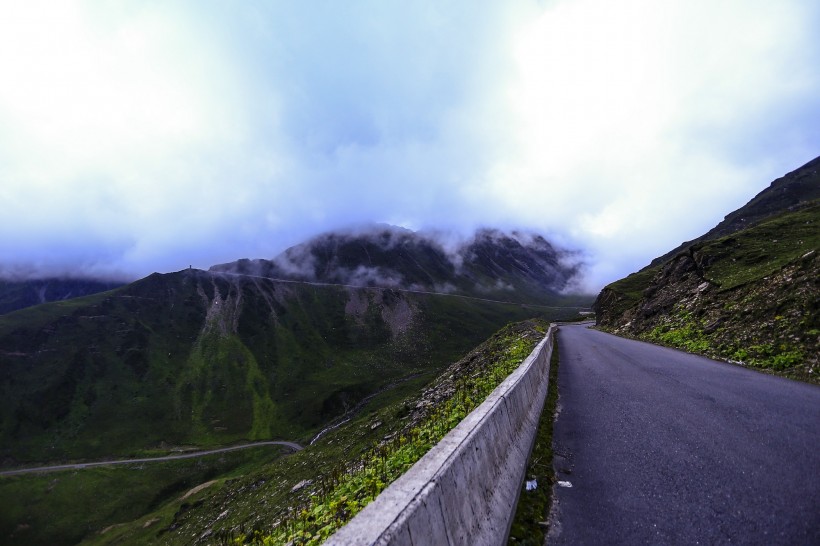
[
  {"x": 663, "y": 447},
  {"x": 189, "y": 455}
]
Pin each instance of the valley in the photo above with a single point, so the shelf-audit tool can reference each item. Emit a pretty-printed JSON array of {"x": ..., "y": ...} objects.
[
  {"x": 341, "y": 345},
  {"x": 213, "y": 360}
]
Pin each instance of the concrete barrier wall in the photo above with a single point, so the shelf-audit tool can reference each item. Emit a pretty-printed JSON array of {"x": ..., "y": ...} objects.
[{"x": 465, "y": 489}]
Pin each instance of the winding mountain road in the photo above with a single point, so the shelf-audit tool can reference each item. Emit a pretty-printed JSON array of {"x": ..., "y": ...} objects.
[
  {"x": 190, "y": 455},
  {"x": 657, "y": 446}
]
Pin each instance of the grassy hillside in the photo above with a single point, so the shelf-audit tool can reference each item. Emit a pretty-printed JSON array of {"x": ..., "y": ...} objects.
[
  {"x": 786, "y": 194},
  {"x": 194, "y": 358},
  {"x": 750, "y": 297},
  {"x": 252, "y": 493}
]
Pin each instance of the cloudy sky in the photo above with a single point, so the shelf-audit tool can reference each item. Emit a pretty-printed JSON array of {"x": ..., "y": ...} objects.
[{"x": 148, "y": 136}]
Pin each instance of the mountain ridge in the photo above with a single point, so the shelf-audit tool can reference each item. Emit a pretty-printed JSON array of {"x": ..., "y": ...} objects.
[
  {"x": 790, "y": 192},
  {"x": 747, "y": 291},
  {"x": 514, "y": 266}
]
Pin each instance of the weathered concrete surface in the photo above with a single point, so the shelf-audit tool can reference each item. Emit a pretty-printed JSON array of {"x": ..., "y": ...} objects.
[{"x": 464, "y": 490}]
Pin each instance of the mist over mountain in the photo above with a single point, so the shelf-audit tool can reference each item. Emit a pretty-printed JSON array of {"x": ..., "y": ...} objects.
[
  {"x": 509, "y": 266},
  {"x": 262, "y": 349}
]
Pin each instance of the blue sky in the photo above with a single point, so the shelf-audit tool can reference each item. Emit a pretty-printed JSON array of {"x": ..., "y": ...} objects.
[{"x": 148, "y": 136}]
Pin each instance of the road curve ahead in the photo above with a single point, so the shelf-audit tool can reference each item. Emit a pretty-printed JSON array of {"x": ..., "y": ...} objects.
[{"x": 664, "y": 447}]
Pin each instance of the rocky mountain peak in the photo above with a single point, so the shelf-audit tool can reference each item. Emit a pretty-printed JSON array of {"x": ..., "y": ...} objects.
[{"x": 515, "y": 265}]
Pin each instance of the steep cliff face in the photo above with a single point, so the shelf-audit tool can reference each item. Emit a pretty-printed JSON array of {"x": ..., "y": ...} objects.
[{"x": 745, "y": 293}]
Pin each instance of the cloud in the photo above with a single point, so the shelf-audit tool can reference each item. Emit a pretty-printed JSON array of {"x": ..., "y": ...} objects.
[{"x": 139, "y": 137}]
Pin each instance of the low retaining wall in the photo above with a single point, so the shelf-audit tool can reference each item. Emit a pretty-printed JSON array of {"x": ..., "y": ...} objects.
[{"x": 465, "y": 489}]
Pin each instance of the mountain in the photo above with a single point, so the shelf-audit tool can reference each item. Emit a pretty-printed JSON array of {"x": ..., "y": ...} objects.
[
  {"x": 209, "y": 358},
  {"x": 748, "y": 291},
  {"x": 790, "y": 192},
  {"x": 18, "y": 294},
  {"x": 515, "y": 266}
]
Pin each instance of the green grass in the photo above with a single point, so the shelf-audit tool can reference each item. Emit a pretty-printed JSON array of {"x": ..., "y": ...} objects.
[
  {"x": 739, "y": 258},
  {"x": 253, "y": 495},
  {"x": 63, "y": 507},
  {"x": 758, "y": 308},
  {"x": 754, "y": 253},
  {"x": 681, "y": 330},
  {"x": 531, "y": 515},
  {"x": 137, "y": 372},
  {"x": 345, "y": 492},
  {"x": 134, "y": 369},
  {"x": 630, "y": 289}
]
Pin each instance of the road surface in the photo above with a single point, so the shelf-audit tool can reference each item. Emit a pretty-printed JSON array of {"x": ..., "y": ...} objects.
[
  {"x": 656, "y": 446},
  {"x": 189, "y": 455}
]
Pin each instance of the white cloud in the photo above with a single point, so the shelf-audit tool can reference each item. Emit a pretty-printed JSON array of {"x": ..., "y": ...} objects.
[{"x": 142, "y": 137}]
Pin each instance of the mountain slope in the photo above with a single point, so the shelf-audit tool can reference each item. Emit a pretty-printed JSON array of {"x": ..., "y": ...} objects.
[
  {"x": 215, "y": 499},
  {"x": 492, "y": 264},
  {"x": 19, "y": 294},
  {"x": 790, "y": 192},
  {"x": 209, "y": 358},
  {"x": 747, "y": 291}
]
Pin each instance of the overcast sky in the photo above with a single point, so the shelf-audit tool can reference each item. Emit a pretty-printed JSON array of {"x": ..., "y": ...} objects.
[{"x": 142, "y": 136}]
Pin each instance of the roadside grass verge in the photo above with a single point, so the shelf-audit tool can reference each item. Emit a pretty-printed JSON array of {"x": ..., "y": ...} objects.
[{"x": 529, "y": 527}]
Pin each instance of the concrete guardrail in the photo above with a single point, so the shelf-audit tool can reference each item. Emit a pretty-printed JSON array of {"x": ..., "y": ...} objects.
[{"x": 465, "y": 489}]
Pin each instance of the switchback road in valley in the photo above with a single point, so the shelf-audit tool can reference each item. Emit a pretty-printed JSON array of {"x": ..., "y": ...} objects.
[
  {"x": 657, "y": 446},
  {"x": 188, "y": 455}
]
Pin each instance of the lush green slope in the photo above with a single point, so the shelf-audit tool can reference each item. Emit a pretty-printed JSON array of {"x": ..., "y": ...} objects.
[
  {"x": 787, "y": 193},
  {"x": 209, "y": 359},
  {"x": 256, "y": 490}
]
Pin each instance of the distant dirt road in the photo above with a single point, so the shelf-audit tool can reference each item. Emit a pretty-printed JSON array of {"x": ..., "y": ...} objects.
[{"x": 292, "y": 445}]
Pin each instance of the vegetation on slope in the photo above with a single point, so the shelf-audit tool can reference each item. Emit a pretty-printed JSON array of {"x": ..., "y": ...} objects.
[
  {"x": 345, "y": 492},
  {"x": 750, "y": 297},
  {"x": 62, "y": 508},
  {"x": 204, "y": 359},
  {"x": 788, "y": 193},
  {"x": 256, "y": 497}
]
